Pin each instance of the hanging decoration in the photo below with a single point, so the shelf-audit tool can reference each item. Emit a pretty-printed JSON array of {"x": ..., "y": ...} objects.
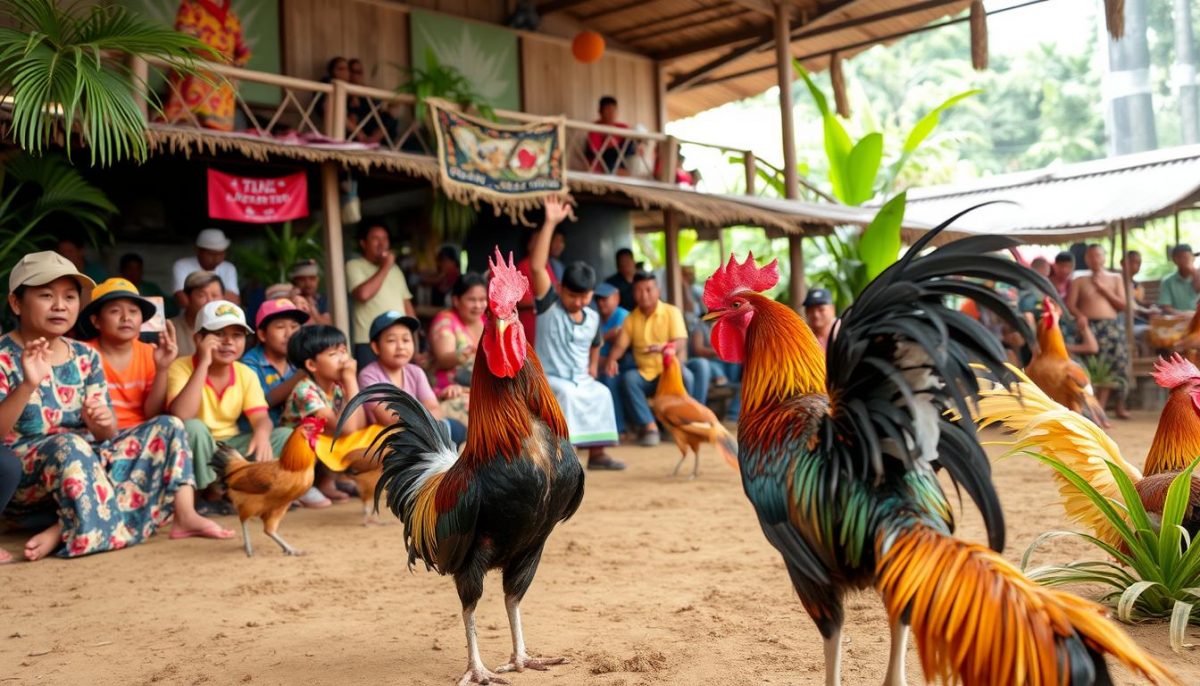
[
  {"x": 587, "y": 47},
  {"x": 838, "y": 79},
  {"x": 257, "y": 200},
  {"x": 979, "y": 36}
]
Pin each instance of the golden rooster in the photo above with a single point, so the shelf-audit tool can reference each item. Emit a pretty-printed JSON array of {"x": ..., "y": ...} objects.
[
  {"x": 266, "y": 489},
  {"x": 1046, "y": 427},
  {"x": 1053, "y": 370},
  {"x": 689, "y": 422}
]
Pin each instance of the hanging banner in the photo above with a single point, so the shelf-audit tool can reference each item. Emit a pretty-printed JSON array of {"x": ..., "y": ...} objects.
[
  {"x": 256, "y": 200},
  {"x": 512, "y": 165}
]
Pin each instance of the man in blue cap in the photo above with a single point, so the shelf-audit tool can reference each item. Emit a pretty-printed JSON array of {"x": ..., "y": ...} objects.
[
  {"x": 820, "y": 314},
  {"x": 607, "y": 298}
]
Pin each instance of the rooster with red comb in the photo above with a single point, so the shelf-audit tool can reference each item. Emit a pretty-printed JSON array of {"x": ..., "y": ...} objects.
[
  {"x": 493, "y": 505},
  {"x": 838, "y": 452}
]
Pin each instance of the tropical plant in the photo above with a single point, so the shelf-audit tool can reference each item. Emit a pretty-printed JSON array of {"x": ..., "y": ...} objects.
[
  {"x": 64, "y": 69},
  {"x": 36, "y": 190},
  {"x": 438, "y": 80},
  {"x": 1156, "y": 572},
  {"x": 269, "y": 264}
]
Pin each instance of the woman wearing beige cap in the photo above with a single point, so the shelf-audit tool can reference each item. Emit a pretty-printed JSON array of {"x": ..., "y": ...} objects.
[{"x": 112, "y": 488}]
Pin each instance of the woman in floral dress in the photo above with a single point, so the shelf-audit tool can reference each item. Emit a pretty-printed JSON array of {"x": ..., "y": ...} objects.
[{"x": 110, "y": 488}]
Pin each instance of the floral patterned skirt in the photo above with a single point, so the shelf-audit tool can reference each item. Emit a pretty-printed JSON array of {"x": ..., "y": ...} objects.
[{"x": 109, "y": 495}]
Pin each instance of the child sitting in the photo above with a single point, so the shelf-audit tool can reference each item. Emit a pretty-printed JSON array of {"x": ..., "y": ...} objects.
[
  {"x": 276, "y": 322},
  {"x": 212, "y": 389},
  {"x": 330, "y": 378},
  {"x": 394, "y": 341}
]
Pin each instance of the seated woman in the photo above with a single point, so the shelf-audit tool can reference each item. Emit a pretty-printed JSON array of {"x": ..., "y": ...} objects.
[
  {"x": 453, "y": 336},
  {"x": 111, "y": 487}
]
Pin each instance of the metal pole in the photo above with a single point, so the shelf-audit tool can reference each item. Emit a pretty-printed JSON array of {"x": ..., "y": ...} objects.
[{"x": 335, "y": 262}]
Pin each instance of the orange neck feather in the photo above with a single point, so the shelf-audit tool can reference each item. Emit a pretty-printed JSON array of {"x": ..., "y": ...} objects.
[
  {"x": 671, "y": 381},
  {"x": 502, "y": 410},
  {"x": 1177, "y": 440},
  {"x": 1051, "y": 343},
  {"x": 297, "y": 455},
  {"x": 783, "y": 357}
]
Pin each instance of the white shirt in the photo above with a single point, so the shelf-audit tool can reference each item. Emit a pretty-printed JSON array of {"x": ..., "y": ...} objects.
[{"x": 187, "y": 265}]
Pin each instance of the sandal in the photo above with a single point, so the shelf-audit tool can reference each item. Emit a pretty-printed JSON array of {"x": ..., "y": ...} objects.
[
  {"x": 605, "y": 462},
  {"x": 314, "y": 498}
]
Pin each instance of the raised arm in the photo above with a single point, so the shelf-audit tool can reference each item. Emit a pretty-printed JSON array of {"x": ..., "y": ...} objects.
[{"x": 556, "y": 211}]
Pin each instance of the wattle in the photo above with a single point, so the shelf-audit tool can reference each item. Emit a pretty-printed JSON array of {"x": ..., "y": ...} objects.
[
  {"x": 507, "y": 354},
  {"x": 729, "y": 340}
]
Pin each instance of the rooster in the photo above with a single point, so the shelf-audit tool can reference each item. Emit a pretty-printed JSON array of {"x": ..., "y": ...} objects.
[
  {"x": 266, "y": 489},
  {"x": 1062, "y": 378},
  {"x": 494, "y": 505},
  {"x": 1046, "y": 427},
  {"x": 689, "y": 422},
  {"x": 838, "y": 455}
]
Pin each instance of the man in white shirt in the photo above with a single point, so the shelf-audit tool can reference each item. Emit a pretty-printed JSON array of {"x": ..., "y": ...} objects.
[{"x": 211, "y": 245}]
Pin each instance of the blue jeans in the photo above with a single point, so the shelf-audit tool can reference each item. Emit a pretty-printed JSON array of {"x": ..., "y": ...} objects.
[
  {"x": 635, "y": 389},
  {"x": 732, "y": 373},
  {"x": 613, "y": 383},
  {"x": 10, "y": 476}
]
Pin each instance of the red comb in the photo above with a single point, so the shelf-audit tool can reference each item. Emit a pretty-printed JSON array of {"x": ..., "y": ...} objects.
[
  {"x": 734, "y": 276},
  {"x": 507, "y": 285},
  {"x": 1174, "y": 371}
]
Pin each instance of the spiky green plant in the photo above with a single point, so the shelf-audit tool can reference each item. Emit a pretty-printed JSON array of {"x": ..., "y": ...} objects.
[
  {"x": 66, "y": 71},
  {"x": 1155, "y": 576},
  {"x": 269, "y": 264}
]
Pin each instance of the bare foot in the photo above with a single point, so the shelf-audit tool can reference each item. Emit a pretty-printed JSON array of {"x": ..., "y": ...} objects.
[
  {"x": 193, "y": 524},
  {"x": 43, "y": 544},
  {"x": 480, "y": 676},
  {"x": 520, "y": 663},
  {"x": 333, "y": 493},
  {"x": 5, "y": 557}
]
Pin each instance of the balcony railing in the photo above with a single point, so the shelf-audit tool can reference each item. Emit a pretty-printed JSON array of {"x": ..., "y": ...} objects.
[{"x": 343, "y": 111}]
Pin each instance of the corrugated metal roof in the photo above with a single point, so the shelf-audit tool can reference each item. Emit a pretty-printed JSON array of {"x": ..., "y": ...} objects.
[{"x": 1068, "y": 201}]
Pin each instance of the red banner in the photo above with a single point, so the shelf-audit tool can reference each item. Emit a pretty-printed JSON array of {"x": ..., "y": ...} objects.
[{"x": 257, "y": 200}]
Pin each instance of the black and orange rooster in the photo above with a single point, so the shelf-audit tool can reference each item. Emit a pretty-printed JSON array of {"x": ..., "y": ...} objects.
[
  {"x": 494, "y": 505},
  {"x": 1062, "y": 378},
  {"x": 838, "y": 454},
  {"x": 1041, "y": 425}
]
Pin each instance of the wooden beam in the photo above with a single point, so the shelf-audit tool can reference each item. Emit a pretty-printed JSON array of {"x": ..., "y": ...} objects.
[
  {"x": 335, "y": 260},
  {"x": 686, "y": 80},
  {"x": 674, "y": 270},
  {"x": 611, "y": 10},
  {"x": 787, "y": 105},
  {"x": 668, "y": 18},
  {"x": 763, "y": 7},
  {"x": 558, "y": 6},
  {"x": 670, "y": 28}
]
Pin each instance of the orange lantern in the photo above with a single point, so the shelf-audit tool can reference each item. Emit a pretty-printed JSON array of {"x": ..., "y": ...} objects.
[{"x": 588, "y": 46}]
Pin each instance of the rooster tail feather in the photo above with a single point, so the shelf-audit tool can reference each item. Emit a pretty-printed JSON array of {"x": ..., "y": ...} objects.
[
  {"x": 225, "y": 457},
  {"x": 728, "y": 448},
  {"x": 977, "y": 620},
  {"x": 1093, "y": 410},
  {"x": 415, "y": 451}
]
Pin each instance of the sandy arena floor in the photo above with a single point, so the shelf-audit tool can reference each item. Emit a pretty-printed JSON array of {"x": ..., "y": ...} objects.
[{"x": 654, "y": 581}]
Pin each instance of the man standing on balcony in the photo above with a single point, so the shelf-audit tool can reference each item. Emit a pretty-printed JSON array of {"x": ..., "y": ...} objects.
[
  {"x": 211, "y": 245},
  {"x": 376, "y": 286},
  {"x": 608, "y": 153}
]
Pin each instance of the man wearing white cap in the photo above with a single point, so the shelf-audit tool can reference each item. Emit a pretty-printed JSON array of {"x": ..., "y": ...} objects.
[{"x": 211, "y": 245}]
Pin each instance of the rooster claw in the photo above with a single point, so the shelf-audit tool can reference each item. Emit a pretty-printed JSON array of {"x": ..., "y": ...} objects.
[
  {"x": 480, "y": 676},
  {"x": 521, "y": 663}
]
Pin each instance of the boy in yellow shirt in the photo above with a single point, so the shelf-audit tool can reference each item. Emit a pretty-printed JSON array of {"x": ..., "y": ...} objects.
[{"x": 211, "y": 389}]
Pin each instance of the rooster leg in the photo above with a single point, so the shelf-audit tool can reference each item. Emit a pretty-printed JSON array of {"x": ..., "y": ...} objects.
[
  {"x": 833, "y": 658},
  {"x": 246, "y": 538},
  {"x": 520, "y": 660},
  {"x": 287, "y": 549},
  {"x": 895, "y": 673},
  {"x": 476, "y": 673},
  {"x": 696, "y": 463},
  {"x": 682, "y": 457}
]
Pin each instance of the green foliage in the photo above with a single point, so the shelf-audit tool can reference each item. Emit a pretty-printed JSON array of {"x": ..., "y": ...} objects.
[
  {"x": 880, "y": 242},
  {"x": 1156, "y": 576},
  {"x": 269, "y": 264},
  {"x": 839, "y": 265},
  {"x": 35, "y": 191},
  {"x": 449, "y": 220},
  {"x": 65, "y": 71},
  {"x": 444, "y": 81}
]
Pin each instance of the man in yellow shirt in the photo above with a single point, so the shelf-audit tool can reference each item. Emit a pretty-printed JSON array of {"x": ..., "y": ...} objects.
[
  {"x": 646, "y": 330},
  {"x": 210, "y": 390},
  {"x": 376, "y": 285}
]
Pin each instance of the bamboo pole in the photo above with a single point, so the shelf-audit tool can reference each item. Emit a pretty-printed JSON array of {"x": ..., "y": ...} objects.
[
  {"x": 751, "y": 165},
  {"x": 335, "y": 262},
  {"x": 337, "y": 119},
  {"x": 796, "y": 287},
  {"x": 674, "y": 271}
]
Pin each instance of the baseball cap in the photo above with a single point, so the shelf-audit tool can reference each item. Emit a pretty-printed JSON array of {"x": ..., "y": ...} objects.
[
  {"x": 279, "y": 290},
  {"x": 117, "y": 288},
  {"x": 387, "y": 319},
  {"x": 818, "y": 296},
  {"x": 40, "y": 268},
  {"x": 604, "y": 289},
  {"x": 279, "y": 307},
  {"x": 219, "y": 314},
  {"x": 199, "y": 279},
  {"x": 212, "y": 239},
  {"x": 304, "y": 268}
]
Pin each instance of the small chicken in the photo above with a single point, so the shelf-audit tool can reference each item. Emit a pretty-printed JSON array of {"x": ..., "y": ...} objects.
[
  {"x": 689, "y": 422},
  {"x": 266, "y": 489},
  {"x": 1053, "y": 370}
]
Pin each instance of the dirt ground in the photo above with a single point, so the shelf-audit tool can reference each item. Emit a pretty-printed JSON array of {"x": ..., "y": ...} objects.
[{"x": 655, "y": 581}]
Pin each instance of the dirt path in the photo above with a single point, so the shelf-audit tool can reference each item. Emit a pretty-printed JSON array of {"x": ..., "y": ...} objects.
[{"x": 653, "y": 582}]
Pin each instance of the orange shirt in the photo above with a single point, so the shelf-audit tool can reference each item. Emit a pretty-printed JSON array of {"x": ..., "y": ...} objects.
[{"x": 129, "y": 387}]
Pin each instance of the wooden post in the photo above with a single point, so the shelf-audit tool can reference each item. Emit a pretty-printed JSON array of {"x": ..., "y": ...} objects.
[
  {"x": 1177, "y": 238},
  {"x": 674, "y": 272},
  {"x": 751, "y": 165},
  {"x": 335, "y": 261},
  {"x": 668, "y": 151},
  {"x": 722, "y": 256},
  {"x": 1130, "y": 341},
  {"x": 337, "y": 118},
  {"x": 660, "y": 95},
  {"x": 783, "y": 68},
  {"x": 141, "y": 82}
]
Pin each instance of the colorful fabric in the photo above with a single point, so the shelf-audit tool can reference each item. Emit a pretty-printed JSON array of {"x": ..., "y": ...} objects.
[
  {"x": 413, "y": 381},
  {"x": 449, "y": 321},
  {"x": 128, "y": 388},
  {"x": 208, "y": 97},
  {"x": 202, "y": 445},
  {"x": 482, "y": 160},
  {"x": 308, "y": 398},
  {"x": 663, "y": 325},
  {"x": 57, "y": 405},
  {"x": 268, "y": 375},
  {"x": 391, "y": 296},
  {"x": 220, "y": 411},
  {"x": 1114, "y": 347},
  {"x": 1178, "y": 293},
  {"x": 348, "y": 448}
]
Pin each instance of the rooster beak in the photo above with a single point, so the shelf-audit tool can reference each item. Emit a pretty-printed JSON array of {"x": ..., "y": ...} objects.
[
  {"x": 712, "y": 315},
  {"x": 501, "y": 325}
]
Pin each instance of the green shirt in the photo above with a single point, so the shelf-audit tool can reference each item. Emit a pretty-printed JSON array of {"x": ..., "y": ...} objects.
[
  {"x": 391, "y": 295},
  {"x": 1177, "y": 292}
]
